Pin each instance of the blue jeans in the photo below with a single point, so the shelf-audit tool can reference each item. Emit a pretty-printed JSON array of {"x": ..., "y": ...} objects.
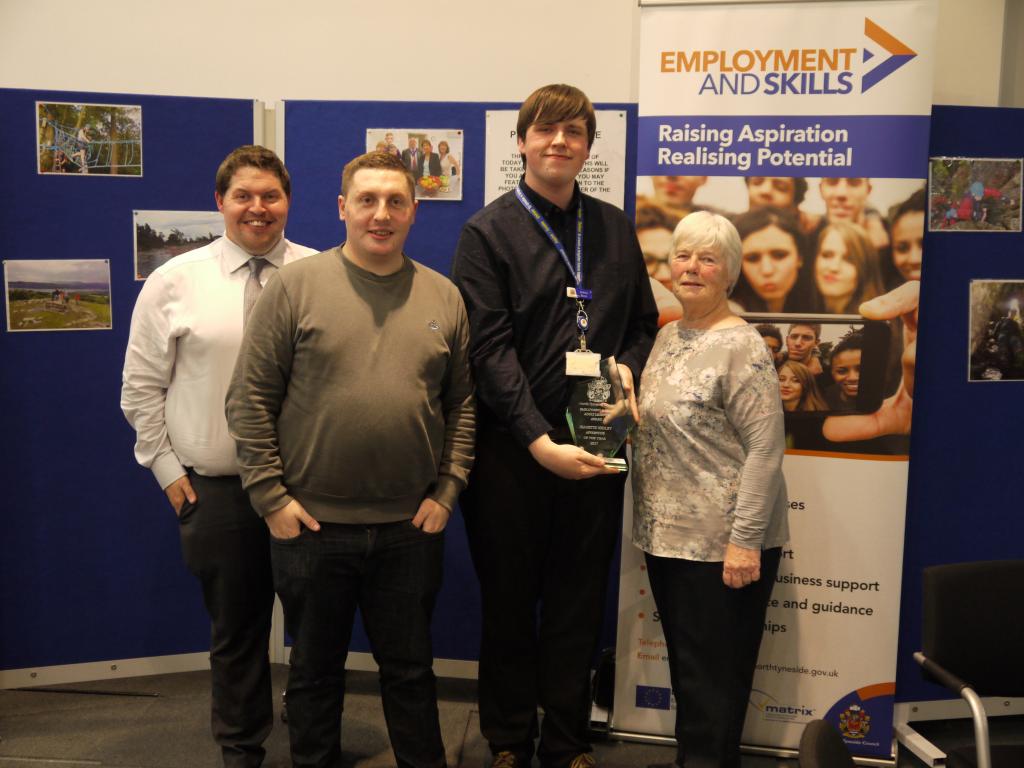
[{"x": 392, "y": 573}]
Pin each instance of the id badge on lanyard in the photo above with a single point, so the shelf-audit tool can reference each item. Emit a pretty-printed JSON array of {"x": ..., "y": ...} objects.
[{"x": 580, "y": 362}]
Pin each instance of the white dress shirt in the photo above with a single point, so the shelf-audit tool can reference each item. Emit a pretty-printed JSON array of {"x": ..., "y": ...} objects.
[{"x": 185, "y": 334}]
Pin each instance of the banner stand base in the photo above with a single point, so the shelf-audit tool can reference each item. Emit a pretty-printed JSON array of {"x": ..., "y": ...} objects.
[
  {"x": 640, "y": 738},
  {"x": 785, "y": 754}
]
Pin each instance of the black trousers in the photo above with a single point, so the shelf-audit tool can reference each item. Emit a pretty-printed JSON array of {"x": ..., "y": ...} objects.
[
  {"x": 541, "y": 547},
  {"x": 713, "y": 634},
  {"x": 226, "y": 545}
]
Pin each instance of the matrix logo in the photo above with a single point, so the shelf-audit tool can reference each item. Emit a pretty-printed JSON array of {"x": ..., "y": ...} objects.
[
  {"x": 772, "y": 709},
  {"x": 899, "y": 54}
]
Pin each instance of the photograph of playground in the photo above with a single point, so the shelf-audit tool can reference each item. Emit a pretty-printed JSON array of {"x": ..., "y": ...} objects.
[
  {"x": 161, "y": 235},
  {"x": 57, "y": 294},
  {"x": 97, "y": 139},
  {"x": 974, "y": 194}
]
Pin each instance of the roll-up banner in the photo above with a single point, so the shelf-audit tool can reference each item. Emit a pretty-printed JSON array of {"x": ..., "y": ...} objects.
[{"x": 769, "y": 110}]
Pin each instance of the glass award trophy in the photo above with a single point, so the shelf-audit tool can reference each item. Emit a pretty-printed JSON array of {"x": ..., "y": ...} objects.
[{"x": 599, "y": 415}]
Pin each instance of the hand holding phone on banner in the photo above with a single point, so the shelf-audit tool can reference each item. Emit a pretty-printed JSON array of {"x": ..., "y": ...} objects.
[
  {"x": 894, "y": 415},
  {"x": 827, "y": 364}
]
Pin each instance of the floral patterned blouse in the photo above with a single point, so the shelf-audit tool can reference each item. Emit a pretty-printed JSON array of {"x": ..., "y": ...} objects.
[{"x": 707, "y": 457}]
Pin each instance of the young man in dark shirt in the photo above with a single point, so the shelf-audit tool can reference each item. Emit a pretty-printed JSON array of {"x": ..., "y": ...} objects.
[{"x": 540, "y": 268}]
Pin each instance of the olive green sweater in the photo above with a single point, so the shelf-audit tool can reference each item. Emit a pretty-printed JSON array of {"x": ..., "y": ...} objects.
[{"x": 352, "y": 392}]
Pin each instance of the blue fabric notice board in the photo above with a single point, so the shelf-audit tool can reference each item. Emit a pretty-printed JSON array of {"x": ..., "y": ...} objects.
[{"x": 91, "y": 567}]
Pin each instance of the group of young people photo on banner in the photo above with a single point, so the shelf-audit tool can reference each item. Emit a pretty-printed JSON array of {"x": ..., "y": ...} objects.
[{"x": 810, "y": 248}]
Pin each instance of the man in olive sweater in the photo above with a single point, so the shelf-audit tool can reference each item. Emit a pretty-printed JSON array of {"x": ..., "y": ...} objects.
[{"x": 352, "y": 408}]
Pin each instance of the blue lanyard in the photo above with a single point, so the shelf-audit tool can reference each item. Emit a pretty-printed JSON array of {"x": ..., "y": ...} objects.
[{"x": 577, "y": 273}]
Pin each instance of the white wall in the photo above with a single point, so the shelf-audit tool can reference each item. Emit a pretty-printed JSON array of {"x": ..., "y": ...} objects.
[
  {"x": 444, "y": 50},
  {"x": 969, "y": 41},
  {"x": 1012, "y": 86}
]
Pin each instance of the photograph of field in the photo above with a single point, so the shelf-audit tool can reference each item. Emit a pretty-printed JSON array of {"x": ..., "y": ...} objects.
[
  {"x": 57, "y": 294},
  {"x": 162, "y": 235}
]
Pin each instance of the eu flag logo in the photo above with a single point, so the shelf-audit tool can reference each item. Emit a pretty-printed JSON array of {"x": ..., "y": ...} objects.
[{"x": 653, "y": 697}]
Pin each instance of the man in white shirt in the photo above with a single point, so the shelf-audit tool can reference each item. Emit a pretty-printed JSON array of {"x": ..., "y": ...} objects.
[{"x": 185, "y": 333}]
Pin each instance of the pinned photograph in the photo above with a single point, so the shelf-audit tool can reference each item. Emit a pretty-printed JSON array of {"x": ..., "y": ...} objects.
[
  {"x": 996, "y": 338},
  {"x": 161, "y": 235},
  {"x": 974, "y": 194},
  {"x": 57, "y": 294},
  {"x": 433, "y": 156},
  {"x": 89, "y": 139}
]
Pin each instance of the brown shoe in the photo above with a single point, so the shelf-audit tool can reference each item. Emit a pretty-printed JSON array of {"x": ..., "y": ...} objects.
[
  {"x": 506, "y": 759},
  {"x": 583, "y": 760}
]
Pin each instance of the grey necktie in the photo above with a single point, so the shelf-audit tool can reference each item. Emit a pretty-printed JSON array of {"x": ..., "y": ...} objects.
[{"x": 252, "y": 287}]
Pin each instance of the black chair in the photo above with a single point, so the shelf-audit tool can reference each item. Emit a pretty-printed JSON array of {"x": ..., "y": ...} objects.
[
  {"x": 973, "y": 641},
  {"x": 821, "y": 746}
]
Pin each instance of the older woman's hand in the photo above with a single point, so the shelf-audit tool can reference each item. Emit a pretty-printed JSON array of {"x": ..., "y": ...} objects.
[
  {"x": 742, "y": 566},
  {"x": 629, "y": 389}
]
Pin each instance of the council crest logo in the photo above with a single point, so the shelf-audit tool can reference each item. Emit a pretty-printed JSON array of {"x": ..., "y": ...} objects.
[
  {"x": 598, "y": 391},
  {"x": 854, "y": 722}
]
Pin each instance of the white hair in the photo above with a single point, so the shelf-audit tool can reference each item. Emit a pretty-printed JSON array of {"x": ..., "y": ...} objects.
[{"x": 703, "y": 230}]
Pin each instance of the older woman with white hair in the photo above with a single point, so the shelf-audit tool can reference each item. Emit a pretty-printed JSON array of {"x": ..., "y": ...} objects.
[{"x": 709, "y": 496}]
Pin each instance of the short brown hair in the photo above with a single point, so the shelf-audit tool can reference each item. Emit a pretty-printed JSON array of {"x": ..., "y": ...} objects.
[
  {"x": 815, "y": 328},
  {"x": 252, "y": 156},
  {"x": 553, "y": 104},
  {"x": 378, "y": 160},
  {"x": 654, "y": 217}
]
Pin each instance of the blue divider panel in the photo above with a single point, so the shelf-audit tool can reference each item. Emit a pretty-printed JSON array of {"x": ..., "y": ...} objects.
[
  {"x": 963, "y": 501},
  {"x": 90, "y": 567}
]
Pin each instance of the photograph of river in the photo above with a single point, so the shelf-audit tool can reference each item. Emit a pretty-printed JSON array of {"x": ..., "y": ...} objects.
[{"x": 161, "y": 235}]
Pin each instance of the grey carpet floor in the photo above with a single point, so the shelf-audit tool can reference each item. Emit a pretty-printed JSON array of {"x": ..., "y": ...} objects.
[{"x": 162, "y": 721}]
